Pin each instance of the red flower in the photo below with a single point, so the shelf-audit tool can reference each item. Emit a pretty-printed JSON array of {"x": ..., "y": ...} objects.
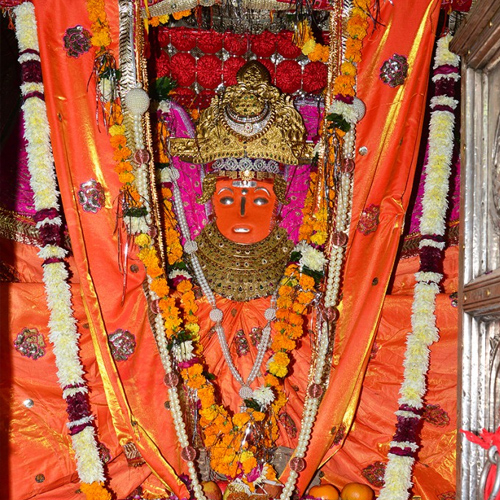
[
  {"x": 163, "y": 36},
  {"x": 209, "y": 42},
  {"x": 183, "y": 69},
  {"x": 288, "y": 76},
  {"x": 270, "y": 67},
  {"x": 264, "y": 45},
  {"x": 162, "y": 64},
  {"x": 286, "y": 47},
  {"x": 231, "y": 67},
  {"x": 236, "y": 44},
  {"x": 209, "y": 71},
  {"x": 183, "y": 39},
  {"x": 315, "y": 77}
]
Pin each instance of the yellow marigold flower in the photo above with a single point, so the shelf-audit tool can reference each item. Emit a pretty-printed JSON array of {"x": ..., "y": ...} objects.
[
  {"x": 101, "y": 39},
  {"x": 281, "y": 358},
  {"x": 193, "y": 328},
  {"x": 318, "y": 238},
  {"x": 143, "y": 240},
  {"x": 309, "y": 47},
  {"x": 278, "y": 370},
  {"x": 164, "y": 19},
  {"x": 348, "y": 68},
  {"x": 116, "y": 130},
  {"x": 209, "y": 413}
]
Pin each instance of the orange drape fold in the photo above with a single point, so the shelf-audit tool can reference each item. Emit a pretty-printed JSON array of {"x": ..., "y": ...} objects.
[{"x": 390, "y": 130}]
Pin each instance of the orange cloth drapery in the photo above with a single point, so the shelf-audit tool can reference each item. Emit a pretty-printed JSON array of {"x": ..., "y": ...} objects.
[{"x": 129, "y": 397}]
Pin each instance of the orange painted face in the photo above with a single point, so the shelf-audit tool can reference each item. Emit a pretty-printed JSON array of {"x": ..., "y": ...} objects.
[{"x": 244, "y": 209}]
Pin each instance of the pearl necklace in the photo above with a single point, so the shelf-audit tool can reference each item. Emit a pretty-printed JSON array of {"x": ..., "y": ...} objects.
[{"x": 216, "y": 315}]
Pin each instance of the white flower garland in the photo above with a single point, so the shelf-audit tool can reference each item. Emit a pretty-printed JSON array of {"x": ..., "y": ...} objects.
[
  {"x": 62, "y": 324},
  {"x": 398, "y": 474}
]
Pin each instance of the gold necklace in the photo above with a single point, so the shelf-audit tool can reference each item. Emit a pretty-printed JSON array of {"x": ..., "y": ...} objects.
[{"x": 243, "y": 272}]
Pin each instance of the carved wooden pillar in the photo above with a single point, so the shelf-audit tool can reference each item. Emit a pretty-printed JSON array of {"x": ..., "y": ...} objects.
[{"x": 478, "y": 43}]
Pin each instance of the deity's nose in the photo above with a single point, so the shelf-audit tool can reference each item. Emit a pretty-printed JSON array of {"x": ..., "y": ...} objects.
[{"x": 242, "y": 205}]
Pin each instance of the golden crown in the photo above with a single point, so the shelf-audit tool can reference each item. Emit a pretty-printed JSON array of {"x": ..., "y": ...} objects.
[{"x": 251, "y": 119}]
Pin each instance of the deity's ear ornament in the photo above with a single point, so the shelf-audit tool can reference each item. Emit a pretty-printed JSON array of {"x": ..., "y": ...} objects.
[{"x": 249, "y": 120}]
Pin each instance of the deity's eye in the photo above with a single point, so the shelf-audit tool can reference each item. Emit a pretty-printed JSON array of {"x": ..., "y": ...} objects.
[
  {"x": 226, "y": 200},
  {"x": 261, "y": 201}
]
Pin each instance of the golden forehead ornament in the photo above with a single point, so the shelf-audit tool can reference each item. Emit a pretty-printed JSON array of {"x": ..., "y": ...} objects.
[{"x": 251, "y": 119}]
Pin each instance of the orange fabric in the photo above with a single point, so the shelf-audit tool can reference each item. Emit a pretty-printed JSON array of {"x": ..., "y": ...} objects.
[
  {"x": 134, "y": 390},
  {"x": 374, "y": 425},
  {"x": 391, "y": 132},
  {"x": 82, "y": 151}
]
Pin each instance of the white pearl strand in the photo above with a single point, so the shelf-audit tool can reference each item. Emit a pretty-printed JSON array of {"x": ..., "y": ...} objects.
[
  {"x": 141, "y": 174},
  {"x": 216, "y": 314},
  {"x": 342, "y": 223}
]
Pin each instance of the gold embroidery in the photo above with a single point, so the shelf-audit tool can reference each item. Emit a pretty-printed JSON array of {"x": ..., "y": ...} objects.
[
  {"x": 14, "y": 226},
  {"x": 243, "y": 272}
]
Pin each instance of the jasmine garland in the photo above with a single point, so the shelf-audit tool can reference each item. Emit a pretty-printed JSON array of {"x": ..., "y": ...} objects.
[{"x": 398, "y": 474}]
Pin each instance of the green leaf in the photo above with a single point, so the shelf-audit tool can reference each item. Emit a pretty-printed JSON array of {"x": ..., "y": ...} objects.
[
  {"x": 162, "y": 88},
  {"x": 338, "y": 121}
]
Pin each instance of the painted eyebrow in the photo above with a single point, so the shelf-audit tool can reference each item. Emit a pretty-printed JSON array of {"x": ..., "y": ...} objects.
[
  {"x": 263, "y": 189},
  {"x": 225, "y": 189}
]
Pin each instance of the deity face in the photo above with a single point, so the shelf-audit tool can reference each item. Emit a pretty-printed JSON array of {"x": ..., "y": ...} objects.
[{"x": 244, "y": 209}]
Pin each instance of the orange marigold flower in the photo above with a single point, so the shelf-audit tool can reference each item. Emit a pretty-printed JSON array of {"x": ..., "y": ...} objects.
[
  {"x": 118, "y": 140},
  {"x": 184, "y": 286},
  {"x": 196, "y": 382},
  {"x": 121, "y": 154},
  {"x": 160, "y": 287},
  {"x": 317, "y": 53},
  {"x": 285, "y": 290},
  {"x": 291, "y": 270},
  {"x": 356, "y": 31},
  {"x": 271, "y": 380},
  {"x": 305, "y": 297},
  {"x": 123, "y": 166},
  {"x": 306, "y": 282},
  {"x": 154, "y": 21},
  {"x": 249, "y": 464},
  {"x": 284, "y": 302},
  {"x": 181, "y": 14},
  {"x": 353, "y": 49},
  {"x": 282, "y": 342},
  {"x": 240, "y": 419}
]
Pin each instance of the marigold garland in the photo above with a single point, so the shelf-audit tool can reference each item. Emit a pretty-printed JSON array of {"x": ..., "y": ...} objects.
[{"x": 304, "y": 39}]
